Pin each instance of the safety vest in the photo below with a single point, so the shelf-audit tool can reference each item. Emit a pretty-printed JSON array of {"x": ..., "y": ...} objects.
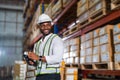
[{"x": 44, "y": 68}]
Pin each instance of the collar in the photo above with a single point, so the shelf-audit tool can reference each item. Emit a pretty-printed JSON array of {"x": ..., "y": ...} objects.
[{"x": 46, "y": 37}]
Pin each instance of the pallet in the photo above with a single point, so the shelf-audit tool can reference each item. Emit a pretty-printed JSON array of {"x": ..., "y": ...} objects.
[
  {"x": 115, "y": 4},
  {"x": 98, "y": 66},
  {"x": 66, "y": 33},
  {"x": 72, "y": 65},
  {"x": 74, "y": 29},
  {"x": 97, "y": 15},
  {"x": 117, "y": 65},
  {"x": 84, "y": 20},
  {"x": 86, "y": 66},
  {"x": 103, "y": 66}
]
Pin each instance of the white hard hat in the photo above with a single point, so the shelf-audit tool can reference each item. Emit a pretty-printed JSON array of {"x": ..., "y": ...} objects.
[{"x": 43, "y": 18}]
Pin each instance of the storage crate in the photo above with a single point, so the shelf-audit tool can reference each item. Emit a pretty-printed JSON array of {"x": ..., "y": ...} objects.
[
  {"x": 66, "y": 33},
  {"x": 56, "y": 9},
  {"x": 88, "y": 59},
  {"x": 116, "y": 29},
  {"x": 82, "y": 60},
  {"x": 117, "y": 38},
  {"x": 83, "y": 45},
  {"x": 75, "y": 41},
  {"x": 83, "y": 19},
  {"x": 99, "y": 10},
  {"x": 96, "y": 58},
  {"x": 65, "y": 3},
  {"x": 83, "y": 38},
  {"x": 66, "y": 55},
  {"x": 71, "y": 60},
  {"x": 88, "y": 44},
  {"x": 75, "y": 53},
  {"x": 105, "y": 30},
  {"x": 96, "y": 50},
  {"x": 91, "y": 3},
  {"x": 82, "y": 2},
  {"x": 70, "y": 70},
  {"x": 115, "y": 4},
  {"x": 117, "y": 60},
  {"x": 96, "y": 41},
  {"x": 117, "y": 48},
  {"x": 88, "y": 51},
  {"x": 88, "y": 36},
  {"x": 82, "y": 9},
  {"x": 82, "y": 52},
  {"x": 96, "y": 33},
  {"x": 104, "y": 39},
  {"x": 67, "y": 49},
  {"x": 48, "y": 10},
  {"x": 106, "y": 52},
  {"x": 74, "y": 47},
  {"x": 74, "y": 29},
  {"x": 77, "y": 60}
]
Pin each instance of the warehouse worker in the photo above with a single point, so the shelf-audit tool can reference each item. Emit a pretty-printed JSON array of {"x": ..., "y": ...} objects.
[{"x": 48, "y": 51}]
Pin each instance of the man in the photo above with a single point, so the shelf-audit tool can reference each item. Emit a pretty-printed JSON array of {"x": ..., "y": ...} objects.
[{"x": 48, "y": 51}]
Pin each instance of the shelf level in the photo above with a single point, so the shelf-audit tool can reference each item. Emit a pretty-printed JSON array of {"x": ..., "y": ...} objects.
[{"x": 111, "y": 16}]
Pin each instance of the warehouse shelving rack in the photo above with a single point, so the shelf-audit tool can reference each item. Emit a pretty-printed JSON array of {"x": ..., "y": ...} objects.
[{"x": 109, "y": 18}]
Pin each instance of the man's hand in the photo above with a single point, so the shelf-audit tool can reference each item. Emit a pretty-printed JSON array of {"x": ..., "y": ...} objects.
[{"x": 33, "y": 56}]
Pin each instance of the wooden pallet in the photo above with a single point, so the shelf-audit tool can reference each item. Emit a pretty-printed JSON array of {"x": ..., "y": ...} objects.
[
  {"x": 86, "y": 66},
  {"x": 74, "y": 29},
  {"x": 103, "y": 66},
  {"x": 98, "y": 66},
  {"x": 117, "y": 65},
  {"x": 97, "y": 15},
  {"x": 115, "y": 4},
  {"x": 72, "y": 65},
  {"x": 66, "y": 33},
  {"x": 84, "y": 19}
]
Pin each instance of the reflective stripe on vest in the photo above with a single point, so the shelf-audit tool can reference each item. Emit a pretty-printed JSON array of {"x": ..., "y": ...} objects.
[{"x": 43, "y": 67}]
